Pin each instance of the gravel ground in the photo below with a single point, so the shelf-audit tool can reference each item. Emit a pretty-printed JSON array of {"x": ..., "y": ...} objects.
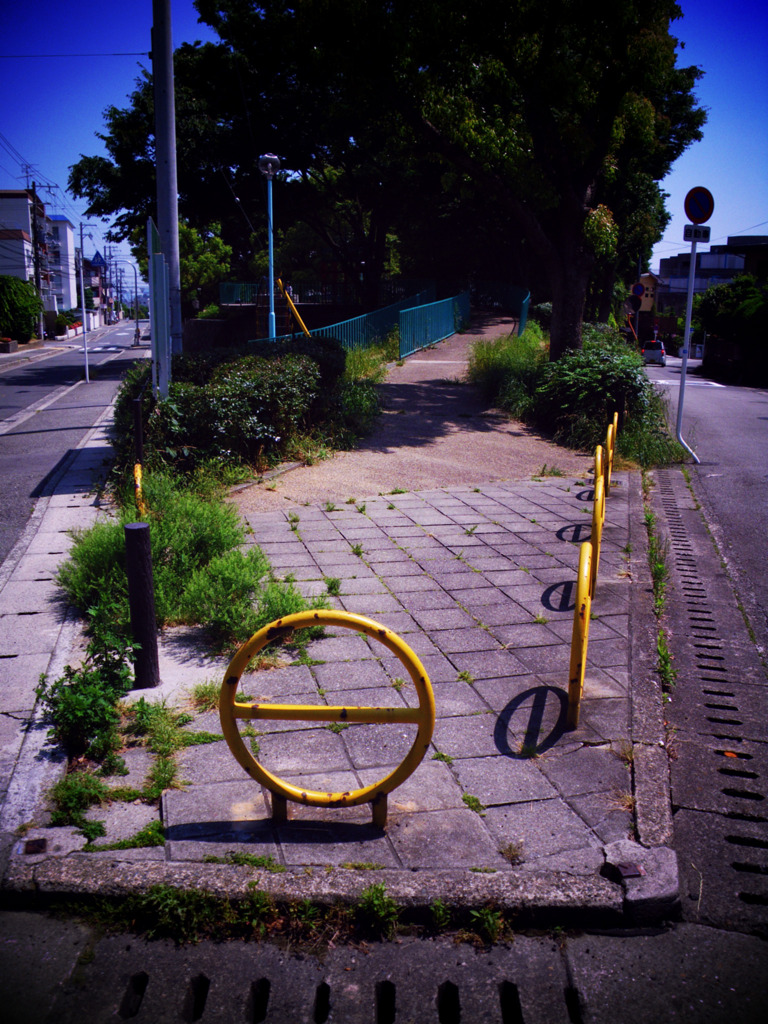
[{"x": 435, "y": 431}]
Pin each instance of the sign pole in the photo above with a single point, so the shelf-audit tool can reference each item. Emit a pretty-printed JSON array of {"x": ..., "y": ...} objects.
[
  {"x": 699, "y": 206},
  {"x": 684, "y": 367}
]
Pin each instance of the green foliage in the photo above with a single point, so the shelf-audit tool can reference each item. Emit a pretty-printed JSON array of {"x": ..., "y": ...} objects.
[
  {"x": 376, "y": 911},
  {"x": 508, "y": 369},
  {"x": 72, "y": 796},
  {"x": 488, "y": 922},
  {"x": 579, "y": 393},
  {"x": 20, "y": 308},
  {"x": 81, "y": 704},
  {"x": 474, "y": 804},
  {"x": 574, "y": 398},
  {"x": 151, "y": 835},
  {"x": 201, "y": 575}
]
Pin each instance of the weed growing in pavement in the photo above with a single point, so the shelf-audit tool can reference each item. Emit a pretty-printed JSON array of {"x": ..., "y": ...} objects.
[
  {"x": 540, "y": 619},
  {"x": 332, "y": 585},
  {"x": 361, "y": 508},
  {"x": 205, "y": 696},
  {"x": 72, "y": 796},
  {"x": 361, "y": 865},
  {"x": 376, "y": 911},
  {"x": 329, "y": 506},
  {"x": 441, "y": 915},
  {"x": 488, "y": 923},
  {"x": 357, "y": 549},
  {"x": 440, "y": 756},
  {"x": 512, "y": 852},
  {"x": 81, "y": 706},
  {"x": 251, "y": 860},
  {"x": 474, "y": 804},
  {"x": 465, "y": 676},
  {"x": 151, "y": 835},
  {"x": 398, "y": 683},
  {"x": 471, "y": 529},
  {"x": 338, "y": 727}
]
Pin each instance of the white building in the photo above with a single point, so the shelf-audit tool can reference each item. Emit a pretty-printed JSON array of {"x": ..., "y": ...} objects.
[
  {"x": 17, "y": 234},
  {"x": 61, "y": 261}
]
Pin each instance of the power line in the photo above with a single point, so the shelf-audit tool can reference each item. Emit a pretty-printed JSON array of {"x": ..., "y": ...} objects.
[{"x": 48, "y": 56}]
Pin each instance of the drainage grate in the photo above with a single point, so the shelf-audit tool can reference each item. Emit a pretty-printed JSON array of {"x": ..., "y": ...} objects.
[
  {"x": 429, "y": 981},
  {"x": 716, "y": 717}
]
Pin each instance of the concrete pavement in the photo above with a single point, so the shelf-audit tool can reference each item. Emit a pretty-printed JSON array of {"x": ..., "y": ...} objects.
[{"x": 506, "y": 806}]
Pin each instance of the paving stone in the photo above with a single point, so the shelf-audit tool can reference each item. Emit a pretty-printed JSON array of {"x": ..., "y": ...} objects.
[
  {"x": 545, "y": 827},
  {"x": 433, "y": 839},
  {"x": 382, "y": 746},
  {"x": 502, "y": 780},
  {"x": 586, "y": 770}
]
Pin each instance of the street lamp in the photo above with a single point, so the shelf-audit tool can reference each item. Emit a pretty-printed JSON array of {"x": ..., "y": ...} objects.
[{"x": 269, "y": 164}]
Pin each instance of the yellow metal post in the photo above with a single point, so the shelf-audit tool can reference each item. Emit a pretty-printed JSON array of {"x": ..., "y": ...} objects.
[
  {"x": 580, "y": 635},
  {"x": 598, "y": 518},
  {"x": 292, "y": 308}
]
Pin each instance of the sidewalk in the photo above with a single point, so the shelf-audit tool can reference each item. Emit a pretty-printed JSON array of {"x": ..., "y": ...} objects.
[{"x": 477, "y": 576}]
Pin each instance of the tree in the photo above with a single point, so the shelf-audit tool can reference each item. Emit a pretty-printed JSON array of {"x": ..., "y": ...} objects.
[
  {"x": 549, "y": 106},
  {"x": 20, "y": 308},
  {"x": 551, "y": 121}
]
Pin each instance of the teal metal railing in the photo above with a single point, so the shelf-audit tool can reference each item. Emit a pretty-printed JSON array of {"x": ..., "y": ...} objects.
[
  {"x": 370, "y": 328},
  {"x": 232, "y": 293},
  {"x": 425, "y": 325}
]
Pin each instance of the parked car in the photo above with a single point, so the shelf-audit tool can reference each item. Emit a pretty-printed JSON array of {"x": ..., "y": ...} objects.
[{"x": 654, "y": 352}]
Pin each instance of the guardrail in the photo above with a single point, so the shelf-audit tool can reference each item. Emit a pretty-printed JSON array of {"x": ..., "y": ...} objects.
[
  {"x": 425, "y": 325},
  {"x": 586, "y": 579}
]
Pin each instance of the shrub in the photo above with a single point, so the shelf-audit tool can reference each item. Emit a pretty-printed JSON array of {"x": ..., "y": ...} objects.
[
  {"x": 579, "y": 393},
  {"x": 81, "y": 704},
  {"x": 20, "y": 308}
]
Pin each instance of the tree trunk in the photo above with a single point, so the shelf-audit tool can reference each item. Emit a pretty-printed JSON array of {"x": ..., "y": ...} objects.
[{"x": 570, "y": 281}]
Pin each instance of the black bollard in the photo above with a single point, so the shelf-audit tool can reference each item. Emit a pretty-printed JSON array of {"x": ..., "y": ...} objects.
[{"x": 141, "y": 597}]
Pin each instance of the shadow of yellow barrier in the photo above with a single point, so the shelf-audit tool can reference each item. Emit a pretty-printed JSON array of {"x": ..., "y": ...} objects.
[
  {"x": 231, "y": 712},
  {"x": 580, "y": 634}
]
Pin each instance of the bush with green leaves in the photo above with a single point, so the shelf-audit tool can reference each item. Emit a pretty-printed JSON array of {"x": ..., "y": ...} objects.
[
  {"x": 81, "y": 705},
  {"x": 240, "y": 406},
  {"x": 20, "y": 308},
  {"x": 574, "y": 399}
]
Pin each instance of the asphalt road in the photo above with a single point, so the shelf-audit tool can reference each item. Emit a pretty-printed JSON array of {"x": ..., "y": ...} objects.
[
  {"x": 46, "y": 408},
  {"x": 727, "y": 427}
]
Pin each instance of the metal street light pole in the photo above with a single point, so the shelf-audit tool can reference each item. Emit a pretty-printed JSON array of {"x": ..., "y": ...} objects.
[{"x": 268, "y": 165}]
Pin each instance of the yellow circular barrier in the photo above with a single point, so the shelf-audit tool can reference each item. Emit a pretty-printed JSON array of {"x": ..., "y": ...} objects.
[{"x": 423, "y": 716}]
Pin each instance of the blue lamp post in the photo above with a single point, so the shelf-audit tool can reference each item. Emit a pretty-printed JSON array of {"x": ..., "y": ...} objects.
[{"x": 269, "y": 164}]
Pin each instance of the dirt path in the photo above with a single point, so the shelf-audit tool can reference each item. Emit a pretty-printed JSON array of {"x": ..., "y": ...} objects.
[{"x": 434, "y": 431}]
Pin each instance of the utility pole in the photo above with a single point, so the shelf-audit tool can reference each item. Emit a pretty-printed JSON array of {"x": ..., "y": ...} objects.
[
  {"x": 82, "y": 306},
  {"x": 36, "y": 259},
  {"x": 165, "y": 159}
]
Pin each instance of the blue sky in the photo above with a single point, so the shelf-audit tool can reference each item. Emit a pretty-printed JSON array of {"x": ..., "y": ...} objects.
[{"x": 51, "y": 106}]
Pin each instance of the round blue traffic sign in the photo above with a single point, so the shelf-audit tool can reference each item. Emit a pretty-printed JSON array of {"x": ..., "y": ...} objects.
[{"x": 699, "y": 205}]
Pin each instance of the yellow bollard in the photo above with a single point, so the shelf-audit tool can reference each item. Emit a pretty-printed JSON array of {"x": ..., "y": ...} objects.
[
  {"x": 376, "y": 793},
  {"x": 608, "y": 459},
  {"x": 580, "y": 635},
  {"x": 598, "y": 518},
  {"x": 141, "y": 508}
]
